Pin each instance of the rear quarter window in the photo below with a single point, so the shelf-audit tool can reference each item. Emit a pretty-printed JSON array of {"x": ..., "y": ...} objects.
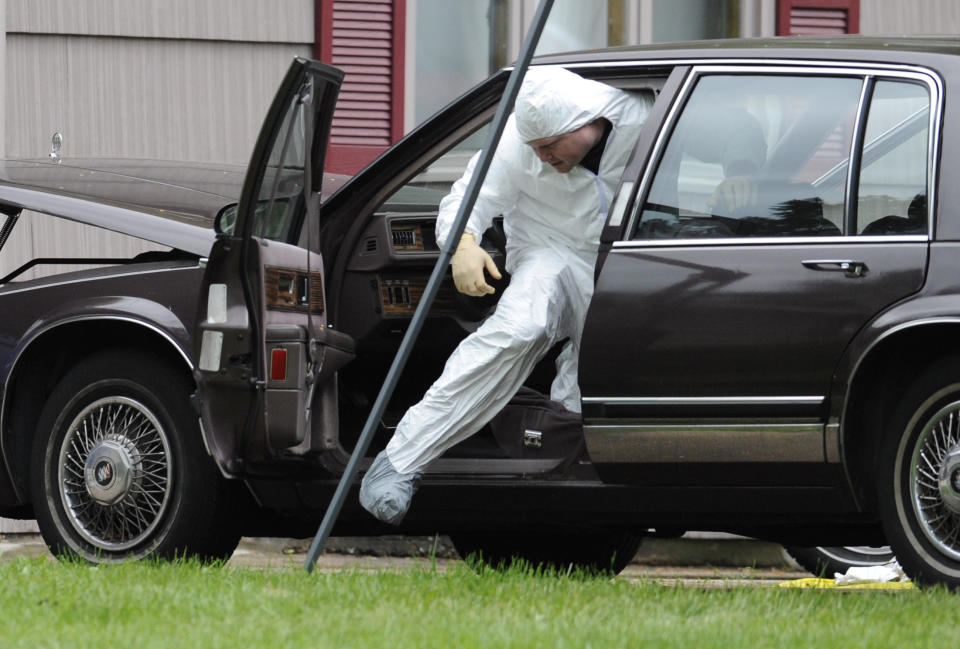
[{"x": 37, "y": 236}]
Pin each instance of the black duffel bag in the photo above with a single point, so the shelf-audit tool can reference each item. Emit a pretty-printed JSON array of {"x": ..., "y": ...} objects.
[{"x": 531, "y": 426}]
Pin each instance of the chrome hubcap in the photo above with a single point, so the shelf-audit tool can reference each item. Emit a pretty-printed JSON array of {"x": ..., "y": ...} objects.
[
  {"x": 114, "y": 473},
  {"x": 950, "y": 480},
  {"x": 935, "y": 480},
  {"x": 112, "y": 468}
]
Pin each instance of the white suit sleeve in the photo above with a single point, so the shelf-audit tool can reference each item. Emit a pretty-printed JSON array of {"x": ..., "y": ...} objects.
[{"x": 498, "y": 194}]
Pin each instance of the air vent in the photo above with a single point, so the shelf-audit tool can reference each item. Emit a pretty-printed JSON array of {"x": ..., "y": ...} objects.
[
  {"x": 397, "y": 292},
  {"x": 370, "y": 246},
  {"x": 406, "y": 237}
]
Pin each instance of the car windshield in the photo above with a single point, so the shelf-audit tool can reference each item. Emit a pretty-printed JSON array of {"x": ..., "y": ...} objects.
[{"x": 414, "y": 196}]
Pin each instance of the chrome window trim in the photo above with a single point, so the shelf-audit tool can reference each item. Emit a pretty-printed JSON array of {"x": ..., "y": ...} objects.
[
  {"x": 859, "y": 126},
  {"x": 700, "y": 67},
  {"x": 703, "y": 401},
  {"x": 738, "y": 61},
  {"x": 658, "y": 147},
  {"x": 627, "y": 244}
]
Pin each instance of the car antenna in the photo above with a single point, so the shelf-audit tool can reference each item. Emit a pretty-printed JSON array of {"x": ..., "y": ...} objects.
[{"x": 433, "y": 285}]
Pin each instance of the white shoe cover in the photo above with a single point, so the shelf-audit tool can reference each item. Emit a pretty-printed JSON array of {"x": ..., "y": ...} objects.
[{"x": 385, "y": 492}]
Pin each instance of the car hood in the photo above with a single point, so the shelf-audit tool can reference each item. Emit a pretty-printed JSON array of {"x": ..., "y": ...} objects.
[{"x": 167, "y": 202}]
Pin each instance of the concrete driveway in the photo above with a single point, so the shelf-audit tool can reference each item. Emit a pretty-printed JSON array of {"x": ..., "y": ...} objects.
[{"x": 354, "y": 554}]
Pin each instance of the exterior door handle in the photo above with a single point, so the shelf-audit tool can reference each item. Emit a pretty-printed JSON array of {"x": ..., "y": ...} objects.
[{"x": 849, "y": 267}]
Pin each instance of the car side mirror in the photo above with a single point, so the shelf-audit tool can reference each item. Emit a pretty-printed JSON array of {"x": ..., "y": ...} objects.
[{"x": 226, "y": 220}]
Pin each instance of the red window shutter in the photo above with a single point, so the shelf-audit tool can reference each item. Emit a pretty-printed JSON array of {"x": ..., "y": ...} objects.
[
  {"x": 802, "y": 17},
  {"x": 364, "y": 39}
]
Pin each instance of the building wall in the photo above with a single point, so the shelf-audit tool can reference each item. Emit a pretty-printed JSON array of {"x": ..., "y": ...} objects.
[
  {"x": 909, "y": 17},
  {"x": 179, "y": 79},
  {"x": 169, "y": 79},
  {"x": 180, "y": 100}
]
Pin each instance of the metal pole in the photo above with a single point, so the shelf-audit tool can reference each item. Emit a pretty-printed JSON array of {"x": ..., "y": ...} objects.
[{"x": 433, "y": 285}]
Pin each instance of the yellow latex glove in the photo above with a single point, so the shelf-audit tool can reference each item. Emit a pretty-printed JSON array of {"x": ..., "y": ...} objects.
[{"x": 468, "y": 264}]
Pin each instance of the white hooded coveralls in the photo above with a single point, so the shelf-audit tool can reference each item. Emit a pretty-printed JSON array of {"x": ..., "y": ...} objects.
[{"x": 552, "y": 221}]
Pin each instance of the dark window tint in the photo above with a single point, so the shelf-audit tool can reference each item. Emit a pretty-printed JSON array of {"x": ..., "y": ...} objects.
[
  {"x": 745, "y": 157},
  {"x": 893, "y": 174}
]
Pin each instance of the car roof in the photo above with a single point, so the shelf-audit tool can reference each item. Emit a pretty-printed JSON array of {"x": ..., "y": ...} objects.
[{"x": 886, "y": 49}]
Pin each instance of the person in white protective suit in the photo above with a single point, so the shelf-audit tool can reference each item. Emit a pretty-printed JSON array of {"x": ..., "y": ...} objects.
[{"x": 552, "y": 178}]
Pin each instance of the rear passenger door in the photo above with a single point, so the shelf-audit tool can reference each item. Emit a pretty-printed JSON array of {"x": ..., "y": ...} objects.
[{"x": 783, "y": 208}]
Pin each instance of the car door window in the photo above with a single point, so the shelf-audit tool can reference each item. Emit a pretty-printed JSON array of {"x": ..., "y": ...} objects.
[
  {"x": 892, "y": 196},
  {"x": 41, "y": 245},
  {"x": 283, "y": 180},
  {"x": 744, "y": 156},
  {"x": 282, "y": 183}
]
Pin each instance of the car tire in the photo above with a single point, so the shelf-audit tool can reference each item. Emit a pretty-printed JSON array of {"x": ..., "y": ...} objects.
[
  {"x": 919, "y": 477},
  {"x": 827, "y": 561},
  {"x": 604, "y": 553},
  {"x": 119, "y": 470}
]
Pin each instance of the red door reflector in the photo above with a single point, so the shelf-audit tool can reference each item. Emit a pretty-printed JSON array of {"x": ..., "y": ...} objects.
[{"x": 278, "y": 364}]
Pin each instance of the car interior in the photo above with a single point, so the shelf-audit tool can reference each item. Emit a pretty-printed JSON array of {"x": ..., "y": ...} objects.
[{"x": 385, "y": 276}]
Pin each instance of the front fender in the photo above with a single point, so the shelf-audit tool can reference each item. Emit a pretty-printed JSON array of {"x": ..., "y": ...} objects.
[
  {"x": 136, "y": 310},
  {"x": 156, "y": 321}
]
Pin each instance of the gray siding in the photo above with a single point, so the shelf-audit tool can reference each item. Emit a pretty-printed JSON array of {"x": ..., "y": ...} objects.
[
  {"x": 155, "y": 98},
  {"x": 271, "y": 21},
  {"x": 909, "y": 17},
  {"x": 169, "y": 79},
  {"x": 175, "y": 79}
]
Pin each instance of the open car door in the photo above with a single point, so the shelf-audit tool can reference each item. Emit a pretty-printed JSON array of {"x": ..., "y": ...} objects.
[{"x": 263, "y": 353}]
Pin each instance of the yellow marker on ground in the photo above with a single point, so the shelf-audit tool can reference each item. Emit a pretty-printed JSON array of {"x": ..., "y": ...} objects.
[{"x": 817, "y": 582}]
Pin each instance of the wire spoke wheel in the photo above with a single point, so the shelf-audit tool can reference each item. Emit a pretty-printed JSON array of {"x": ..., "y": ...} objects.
[
  {"x": 935, "y": 480},
  {"x": 115, "y": 473},
  {"x": 119, "y": 470}
]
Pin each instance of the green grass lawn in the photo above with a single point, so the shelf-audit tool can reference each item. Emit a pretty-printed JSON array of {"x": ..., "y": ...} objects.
[{"x": 46, "y": 604}]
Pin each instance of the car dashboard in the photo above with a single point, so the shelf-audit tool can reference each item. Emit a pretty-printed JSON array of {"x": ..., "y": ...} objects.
[{"x": 388, "y": 273}]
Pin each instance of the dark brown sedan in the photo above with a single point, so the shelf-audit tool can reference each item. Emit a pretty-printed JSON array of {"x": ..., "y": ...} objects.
[{"x": 770, "y": 349}]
